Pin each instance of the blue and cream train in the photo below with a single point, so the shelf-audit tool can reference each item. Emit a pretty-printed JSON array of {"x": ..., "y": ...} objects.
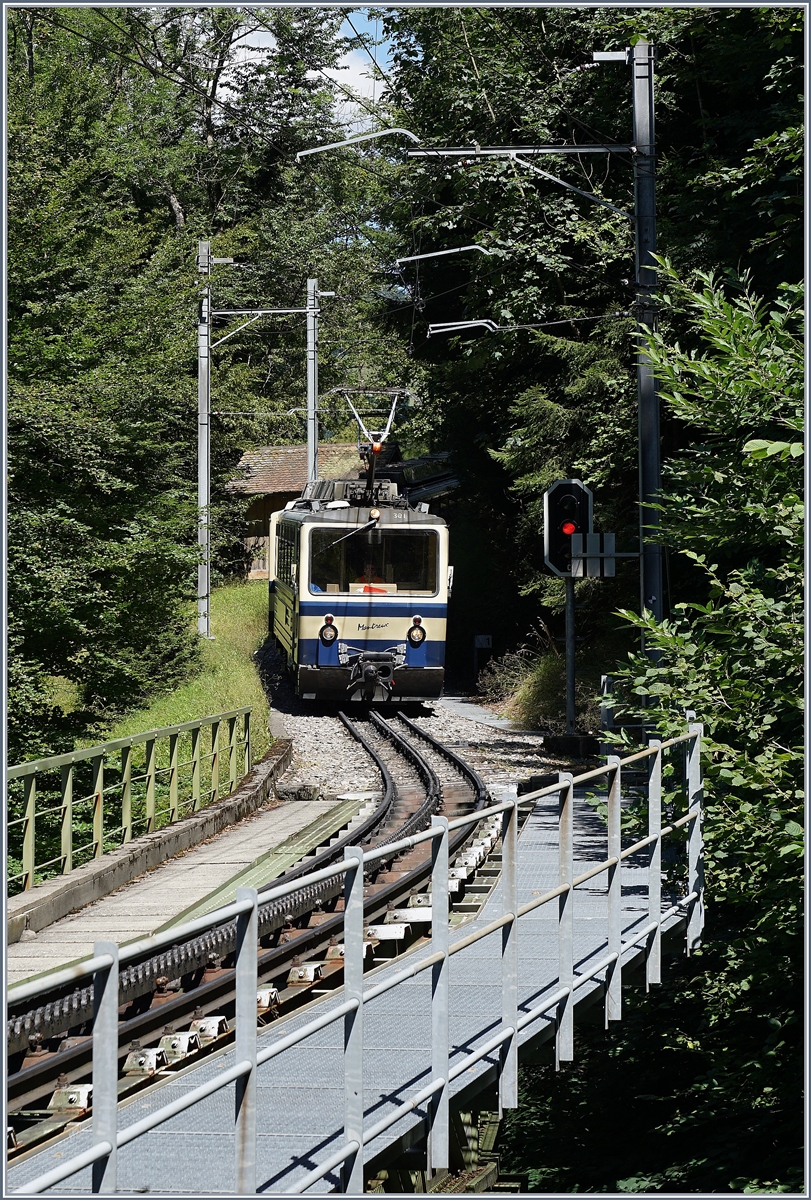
[{"x": 359, "y": 583}]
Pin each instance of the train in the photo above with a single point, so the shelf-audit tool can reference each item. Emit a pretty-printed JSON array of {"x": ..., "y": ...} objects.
[{"x": 359, "y": 583}]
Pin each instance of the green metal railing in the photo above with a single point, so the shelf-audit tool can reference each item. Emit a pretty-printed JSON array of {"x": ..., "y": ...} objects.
[{"x": 108, "y": 794}]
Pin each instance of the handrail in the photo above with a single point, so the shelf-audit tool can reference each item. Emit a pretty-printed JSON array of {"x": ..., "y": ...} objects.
[
  {"x": 115, "y": 811},
  {"x": 104, "y": 966},
  {"x": 177, "y": 933},
  {"x": 135, "y": 739}
]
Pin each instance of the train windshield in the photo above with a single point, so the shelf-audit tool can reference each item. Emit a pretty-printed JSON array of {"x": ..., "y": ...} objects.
[{"x": 376, "y": 561}]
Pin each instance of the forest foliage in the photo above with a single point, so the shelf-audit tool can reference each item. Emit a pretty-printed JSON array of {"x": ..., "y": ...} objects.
[
  {"x": 135, "y": 132},
  {"x": 132, "y": 134}
]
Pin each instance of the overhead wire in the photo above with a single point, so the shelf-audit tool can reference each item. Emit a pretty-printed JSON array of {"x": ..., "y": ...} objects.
[
  {"x": 362, "y": 39},
  {"x": 416, "y": 295},
  {"x": 347, "y": 91},
  {"x": 180, "y": 80},
  {"x": 186, "y": 82}
]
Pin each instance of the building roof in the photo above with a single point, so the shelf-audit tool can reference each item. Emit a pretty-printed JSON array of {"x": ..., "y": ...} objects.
[{"x": 284, "y": 468}]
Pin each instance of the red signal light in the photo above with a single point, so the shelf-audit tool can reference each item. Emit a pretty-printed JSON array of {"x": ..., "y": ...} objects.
[{"x": 568, "y": 527}]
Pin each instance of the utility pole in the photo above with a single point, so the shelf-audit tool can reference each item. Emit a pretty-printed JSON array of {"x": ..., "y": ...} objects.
[
  {"x": 205, "y": 261},
  {"x": 313, "y": 310},
  {"x": 571, "y": 726},
  {"x": 650, "y": 576},
  {"x": 312, "y": 380},
  {"x": 204, "y": 443}
]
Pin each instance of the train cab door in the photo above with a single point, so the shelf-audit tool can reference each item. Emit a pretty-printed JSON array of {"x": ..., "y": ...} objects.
[
  {"x": 295, "y": 571},
  {"x": 272, "y": 568}
]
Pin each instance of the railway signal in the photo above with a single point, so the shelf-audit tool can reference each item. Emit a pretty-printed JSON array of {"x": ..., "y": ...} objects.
[
  {"x": 573, "y": 550},
  {"x": 567, "y": 514},
  {"x": 567, "y": 510}
]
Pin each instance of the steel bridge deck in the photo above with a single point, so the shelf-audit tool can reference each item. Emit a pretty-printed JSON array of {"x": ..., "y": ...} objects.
[{"x": 300, "y": 1093}]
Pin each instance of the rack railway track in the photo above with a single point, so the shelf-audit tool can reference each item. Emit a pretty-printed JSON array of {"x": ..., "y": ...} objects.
[{"x": 184, "y": 987}]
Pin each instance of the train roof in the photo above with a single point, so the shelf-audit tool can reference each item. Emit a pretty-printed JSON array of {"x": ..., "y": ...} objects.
[
  {"x": 341, "y": 512},
  {"x": 350, "y": 501}
]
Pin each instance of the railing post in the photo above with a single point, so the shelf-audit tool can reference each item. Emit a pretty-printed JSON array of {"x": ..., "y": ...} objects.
[
  {"x": 149, "y": 770},
  {"x": 695, "y": 843},
  {"x": 246, "y": 728},
  {"x": 195, "y": 768},
  {"x": 508, "y": 1074},
  {"x": 606, "y": 710},
  {"x": 613, "y": 990},
  {"x": 98, "y": 805},
  {"x": 66, "y": 847},
  {"x": 564, "y": 1041},
  {"x": 174, "y": 808},
  {"x": 215, "y": 762},
  {"x": 653, "y": 960},
  {"x": 245, "y": 1013},
  {"x": 126, "y": 793},
  {"x": 439, "y": 1132},
  {"x": 352, "y": 1168},
  {"x": 105, "y": 1066},
  {"x": 232, "y": 754},
  {"x": 29, "y": 829}
]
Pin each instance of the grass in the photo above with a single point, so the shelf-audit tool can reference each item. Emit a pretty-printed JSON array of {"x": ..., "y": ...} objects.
[
  {"x": 228, "y": 678},
  {"x": 529, "y": 686}
]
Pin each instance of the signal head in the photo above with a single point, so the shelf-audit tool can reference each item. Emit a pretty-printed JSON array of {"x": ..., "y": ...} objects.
[{"x": 567, "y": 511}]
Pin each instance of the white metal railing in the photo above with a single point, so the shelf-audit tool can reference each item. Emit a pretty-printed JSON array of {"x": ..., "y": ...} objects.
[{"x": 107, "y": 959}]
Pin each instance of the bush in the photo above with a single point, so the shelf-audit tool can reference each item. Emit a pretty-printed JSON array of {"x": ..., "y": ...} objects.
[
  {"x": 504, "y": 676},
  {"x": 533, "y": 682}
]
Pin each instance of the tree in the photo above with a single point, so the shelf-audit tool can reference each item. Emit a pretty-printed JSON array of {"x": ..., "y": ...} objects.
[
  {"x": 132, "y": 133},
  {"x": 728, "y": 1111},
  {"x": 520, "y": 407}
]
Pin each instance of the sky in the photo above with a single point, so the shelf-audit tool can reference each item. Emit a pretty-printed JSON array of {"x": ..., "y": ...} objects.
[{"x": 356, "y": 71}]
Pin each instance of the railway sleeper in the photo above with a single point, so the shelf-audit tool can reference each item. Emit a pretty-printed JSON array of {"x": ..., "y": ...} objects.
[
  {"x": 177, "y": 1046},
  {"x": 191, "y": 963},
  {"x": 32, "y": 1127},
  {"x": 73, "y": 1102}
]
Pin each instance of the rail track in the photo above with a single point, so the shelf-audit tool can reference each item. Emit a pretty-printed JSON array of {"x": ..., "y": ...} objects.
[{"x": 177, "y": 1005}]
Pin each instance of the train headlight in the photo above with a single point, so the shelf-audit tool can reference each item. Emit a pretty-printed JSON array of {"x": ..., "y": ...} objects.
[
  {"x": 416, "y": 634},
  {"x": 328, "y": 633}
]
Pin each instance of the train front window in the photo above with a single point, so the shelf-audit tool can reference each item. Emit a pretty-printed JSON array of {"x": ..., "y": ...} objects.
[{"x": 376, "y": 561}]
